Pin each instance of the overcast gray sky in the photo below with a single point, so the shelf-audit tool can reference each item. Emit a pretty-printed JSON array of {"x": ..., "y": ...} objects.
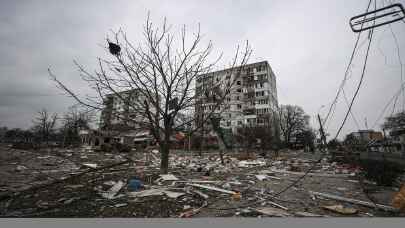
[{"x": 307, "y": 43}]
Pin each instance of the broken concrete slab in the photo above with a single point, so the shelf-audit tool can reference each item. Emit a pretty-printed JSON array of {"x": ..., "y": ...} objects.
[
  {"x": 341, "y": 209},
  {"x": 168, "y": 177},
  {"x": 155, "y": 192},
  {"x": 110, "y": 194},
  {"x": 261, "y": 177}
]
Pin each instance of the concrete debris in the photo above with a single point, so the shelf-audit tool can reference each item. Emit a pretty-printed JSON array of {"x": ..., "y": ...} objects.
[
  {"x": 311, "y": 174},
  {"x": 307, "y": 214},
  {"x": 155, "y": 192},
  {"x": 69, "y": 201},
  {"x": 261, "y": 177},
  {"x": 20, "y": 168},
  {"x": 212, "y": 188},
  {"x": 110, "y": 194},
  {"x": 341, "y": 209},
  {"x": 90, "y": 165},
  {"x": 111, "y": 183},
  {"x": 121, "y": 205},
  {"x": 67, "y": 184},
  {"x": 254, "y": 163},
  {"x": 354, "y": 201},
  {"x": 168, "y": 177},
  {"x": 270, "y": 211}
]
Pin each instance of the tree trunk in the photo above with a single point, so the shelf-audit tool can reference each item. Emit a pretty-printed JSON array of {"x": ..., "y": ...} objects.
[
  {"x": 165, "y": 149},
  {"x": 221, "y": 155},
  {"x": 164, "y": 152}
]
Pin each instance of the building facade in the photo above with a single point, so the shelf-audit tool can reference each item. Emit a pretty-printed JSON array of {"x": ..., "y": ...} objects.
[
  {"x": 122, "y": 119},
  {"x": 252, "y": 100},
  {"x": 123, "y": 111}
]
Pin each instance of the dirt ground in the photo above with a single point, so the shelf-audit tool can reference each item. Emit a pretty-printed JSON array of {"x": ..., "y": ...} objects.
[{"x": 57, "y": 183}]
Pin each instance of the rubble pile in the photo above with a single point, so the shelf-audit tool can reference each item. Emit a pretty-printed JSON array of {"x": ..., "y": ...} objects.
[{"x": 85, "y": 183}]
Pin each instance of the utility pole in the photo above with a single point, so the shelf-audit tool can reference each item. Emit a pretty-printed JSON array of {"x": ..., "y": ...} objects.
[
  {"x": 365, "y": 123},
  {"x": 323, "y": 137}
]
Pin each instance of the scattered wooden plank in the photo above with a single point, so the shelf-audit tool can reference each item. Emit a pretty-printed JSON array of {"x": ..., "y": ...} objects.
[
  {"x": 277, "y": 205},
  {"x": 271, "y": 211},
  {"x": 212, "y": 188},
  {"x": 205, "y": 196},
  {"x": 354, "y": 201}
]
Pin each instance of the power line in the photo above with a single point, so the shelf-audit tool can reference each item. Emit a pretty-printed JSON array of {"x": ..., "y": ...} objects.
[
  {"x": 360, "y": 82},
  {"x": 400, "y": 62},
  {"x": 351, "y": 104},
  {"x": 387, "y": 105},
  {"x": 351, "y": 112},
  {"x": 347, "y": 70}
]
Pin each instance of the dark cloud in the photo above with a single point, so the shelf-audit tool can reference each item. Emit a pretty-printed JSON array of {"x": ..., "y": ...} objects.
[{"x": 308, "y": 44}]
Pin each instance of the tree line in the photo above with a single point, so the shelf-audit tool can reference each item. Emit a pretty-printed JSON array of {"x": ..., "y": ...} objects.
[{"x": 50, "y": 129}]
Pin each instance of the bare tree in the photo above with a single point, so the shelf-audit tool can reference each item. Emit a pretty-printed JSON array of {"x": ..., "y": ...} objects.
[
  {"x": 293, "y": 121},
  {"x": 247, "y": 138},
  {"x": 74, "y": 120},
  {"x": 44, "y": 125},
  {"x": 162, "y": 69}
]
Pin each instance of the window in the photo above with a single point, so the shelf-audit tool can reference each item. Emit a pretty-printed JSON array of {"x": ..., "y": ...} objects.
[
  {"x": 239, "y": 106},
  {"x": 262, "y": 102},
  {"x": 228, "y": 123},
  {"x": 239, "y": 122},
  {"x": 239, "y": 90},
  {"x": 237, "y": 98},
  {"x": 238, "y": 83},
  {"x": 260, "y": 93}
]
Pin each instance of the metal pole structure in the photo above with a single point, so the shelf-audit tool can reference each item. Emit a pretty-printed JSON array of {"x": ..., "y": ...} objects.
[{"x": 323, "y": 137}]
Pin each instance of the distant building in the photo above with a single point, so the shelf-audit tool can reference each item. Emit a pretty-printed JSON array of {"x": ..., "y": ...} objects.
[
  {"x": 366, "y": 135},
  {"x": 252, "y": 100},
  {"x": 121, "y": 121},
  {"x": 122, "y": 111}
]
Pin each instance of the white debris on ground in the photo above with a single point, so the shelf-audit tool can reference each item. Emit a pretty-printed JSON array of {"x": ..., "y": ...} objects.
[{"x": 200, "y": 186}]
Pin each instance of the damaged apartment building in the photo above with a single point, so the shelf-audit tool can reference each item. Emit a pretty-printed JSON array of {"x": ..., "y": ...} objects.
[
  {"x": 252, "y": 100},
  {"x": 121, "y": 121}
]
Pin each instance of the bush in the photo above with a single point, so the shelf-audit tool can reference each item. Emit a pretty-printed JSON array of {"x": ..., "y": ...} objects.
[
  {"x": 122, "y": 148},
  {"x": 106, "y": 148},
  {"x": 25, "y": 146},
  {"x": 383, "y": 172},
  {"x": 212, "y": 147}
]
